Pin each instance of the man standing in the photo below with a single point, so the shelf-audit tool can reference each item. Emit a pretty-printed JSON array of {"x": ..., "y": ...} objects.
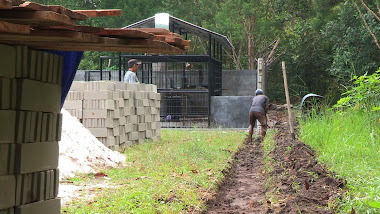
[
  {"x": 130, "y": 76},
  {"x": 258, "y": 111}
]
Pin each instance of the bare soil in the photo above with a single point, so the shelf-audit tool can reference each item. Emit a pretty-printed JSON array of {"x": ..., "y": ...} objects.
[{"x": 293, "y": 182}]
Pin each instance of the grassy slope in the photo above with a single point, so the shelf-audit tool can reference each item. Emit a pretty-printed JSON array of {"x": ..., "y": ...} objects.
[
  {"x": 171, "y": 176},
  {"x": 349, "y": 143}
]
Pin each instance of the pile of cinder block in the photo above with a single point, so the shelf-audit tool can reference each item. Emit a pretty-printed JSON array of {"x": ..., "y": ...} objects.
[
  {"x": 119, "y": 114},
  {"x": 30, "y": 128}
]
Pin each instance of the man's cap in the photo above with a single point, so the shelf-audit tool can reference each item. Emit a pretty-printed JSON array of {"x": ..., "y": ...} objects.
[
  {"x": 132, "y": 62},
  {"x": 259, "y": 91}
]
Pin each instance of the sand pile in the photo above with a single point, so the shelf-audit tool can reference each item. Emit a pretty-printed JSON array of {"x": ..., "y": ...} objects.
[{"x": 81, "y": 152}]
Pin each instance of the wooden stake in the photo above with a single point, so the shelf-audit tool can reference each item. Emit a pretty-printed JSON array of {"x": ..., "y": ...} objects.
[{"x": 288, "y": 100}]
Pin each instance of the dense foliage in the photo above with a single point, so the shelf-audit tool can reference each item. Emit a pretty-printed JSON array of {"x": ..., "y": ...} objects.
[{"x": 324, "y": 42}]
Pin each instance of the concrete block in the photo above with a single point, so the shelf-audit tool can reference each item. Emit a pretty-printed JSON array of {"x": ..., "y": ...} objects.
[
  {"x": 126, "y": 94},
  {"x": 38, "y": 96},
  {"x": 110, "y": 141},
  {"x": 141, "y": 118},
  {"x": 34, "y": 157},
  {"x": 134, "y": 86},
  {"x": 99, "y": 132},
  {"x": 122, "y": 121},
  {"x": 92, "y": 113},
  {"x": 98, "y": 95},
  {"x": 127, "y": 111},
  {"x": 142, "y": 87},
  {"x": 7, "y": 129},
  {"x": 56, "y": 183},
  {"x": 7, "y": 61},
  {"x": 73, "y": 104},
  {"x": 154, "y": 88},
  {"x": 116, "y": 131},
  {"x": 44, "y": 127},
  {"x": 127, "y": 128},
  {"x": 142, "y": 135},
  {"x": 79, "y": 86},
  {"x": 116, "y": 95},
  {"x": 134, "y": 136},
  {"x": 8, "y": 93},
  {"x": 148, "y": 134},
  {"x": 51, "y": 71},
  {"x": 60, "y": 68},
  {"x": 8, "y": 191},
  {"x": 145, "y": 102},
  {"x": 121, "y": 86},
  {"x": 101, "y": 86},
  {"x": 38, "y": 70},
  {"x": 137, "y": 95},
  {"x": 47, "y": 185},
  {"x": 6, "y": 152},
  {"x": 35, "y": 187},
  {"x": 52, "y": 206},
  {"x": 140, "y": 110},
  {"x": 21, "y": 60},
  {"x": 27, "y": 189},
  {"x": 32, "y": 59},
  {"x": 44, "y": 71},
  {"x": 133, "y": 119},
  {"x": 52, "y": 181},
  {"x": 41, "y": 186},
  {"x": 28, "y": 126},
  {"x": 59, "y": 126}
]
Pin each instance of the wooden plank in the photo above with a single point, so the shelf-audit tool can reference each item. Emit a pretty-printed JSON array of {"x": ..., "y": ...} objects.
[
  {"x": 98, "y": 13},
  {"x": 79, "y": 28},
  {"x": 159, "y": 38},
  {"x": 156, "y": 31},
  {"x": 75, "y": 46},
  {"x": 64, "y": 35},
  {"x": 67, "y": 12},
  {"x": 35, "y": 18},
  {"x": 125, "y": 33},
  {"x": 31, "y": 6},
  {"x": 6, "y": 27},
  {"x": 40, "y": 36},
  {"x": 5, "y": 4}
]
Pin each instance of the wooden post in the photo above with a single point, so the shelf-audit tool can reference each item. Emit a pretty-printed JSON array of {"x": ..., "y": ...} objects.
[{"x": 288, "y": 100}]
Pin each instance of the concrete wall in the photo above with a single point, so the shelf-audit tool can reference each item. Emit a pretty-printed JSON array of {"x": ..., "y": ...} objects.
[
  {"x": 30, "y": 128},
  {"x": 118, "y": 114},
  {"x": 230, "y": 111},
  {"x": 239, "y": 83}
]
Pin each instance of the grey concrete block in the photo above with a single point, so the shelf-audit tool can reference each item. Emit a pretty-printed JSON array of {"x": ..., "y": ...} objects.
[
  {"x": 38, "y": 126},
  {"x": 21, "y": 60},
  {"x": 48, "y": 99},
  {"x": 73, "y": 104},
  {"x": 52, "y": 206},
  {"x": 99, "y": 132},
  {"x": 8, "y": 191},
  {"x": 92, "y": 113},
  {"x": 98, "y": 95},
  {"x": 56, "y": 183},
  {"x": 7, "y": 61},
  {"x": 36, "y": 157},
  {"x": 7, "y": 126},
  {"x": 41, "y": 186},
  {"x": 38, "y": 64},
  {"x": 27, "y": 189},
  {"x": 45, "y": 67},
  {"x": 59, "y": 126}
]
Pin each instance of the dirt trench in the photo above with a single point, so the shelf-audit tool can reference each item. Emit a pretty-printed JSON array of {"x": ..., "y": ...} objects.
[{"x": 292, "y": 182}]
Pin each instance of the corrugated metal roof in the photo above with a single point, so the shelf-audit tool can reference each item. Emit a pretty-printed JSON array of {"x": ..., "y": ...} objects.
[{"x": 181, "y": 27}]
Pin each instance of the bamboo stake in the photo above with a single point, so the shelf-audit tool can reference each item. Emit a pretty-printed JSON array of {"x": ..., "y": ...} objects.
[{"x": 288, "y": 100}]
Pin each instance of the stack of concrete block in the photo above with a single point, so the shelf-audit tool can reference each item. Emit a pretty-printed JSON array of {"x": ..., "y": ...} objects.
[
  {"x": 119, "y": 114},
  {"x": 30, "y": 128}
]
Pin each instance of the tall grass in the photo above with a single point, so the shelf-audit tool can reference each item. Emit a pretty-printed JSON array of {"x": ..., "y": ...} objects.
[
  {"x": 170, "y": 176},
  {"x": 349, "y": 142}
]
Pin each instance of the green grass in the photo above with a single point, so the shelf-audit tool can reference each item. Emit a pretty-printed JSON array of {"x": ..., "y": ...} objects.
[
  {"x": 170, "y": 176},
  {"x": 349, "y": 143}
]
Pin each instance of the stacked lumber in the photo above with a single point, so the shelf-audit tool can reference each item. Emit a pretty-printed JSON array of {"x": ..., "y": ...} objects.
[
  {"x": 30, "y": 130},
  {"x": 118, "y": 114},
  {"x": 54, "y": 27}
]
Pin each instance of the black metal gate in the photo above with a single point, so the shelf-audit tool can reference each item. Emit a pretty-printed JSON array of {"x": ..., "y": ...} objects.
[{"x": 185, "y": 82}]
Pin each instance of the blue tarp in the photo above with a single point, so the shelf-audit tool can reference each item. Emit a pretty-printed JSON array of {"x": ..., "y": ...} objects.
[{"x": 71, "y": 60}]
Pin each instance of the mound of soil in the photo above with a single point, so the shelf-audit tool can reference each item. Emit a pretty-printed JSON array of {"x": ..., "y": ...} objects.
[{"x": 295, "y": 183}]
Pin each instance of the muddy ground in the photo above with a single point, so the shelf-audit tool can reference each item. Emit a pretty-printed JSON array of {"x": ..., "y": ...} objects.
[{"x": 292, "y": 182}]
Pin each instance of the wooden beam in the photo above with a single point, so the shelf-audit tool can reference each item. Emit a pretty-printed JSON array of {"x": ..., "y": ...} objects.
[
  {"x": 48, "y": 36},
  {"x": 156, "y": 31},
  {"x": 98, "y": 13},
  {"x": 67, "y": 12},
  {"x": 31, "y": 6},
  {"x": 5, "y": 4},
  {"x": 6, "y": 27},
  {"x": 78, "y": 28},
  {"x": 125, "y": 33},
  {"x": 36, "y": 18}
]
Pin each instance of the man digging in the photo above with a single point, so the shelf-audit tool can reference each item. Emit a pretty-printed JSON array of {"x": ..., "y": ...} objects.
[{"x": 258, "y": 111}]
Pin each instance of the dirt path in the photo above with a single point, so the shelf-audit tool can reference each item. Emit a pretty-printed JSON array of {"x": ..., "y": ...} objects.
[{"x": 294, "y": 183}]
